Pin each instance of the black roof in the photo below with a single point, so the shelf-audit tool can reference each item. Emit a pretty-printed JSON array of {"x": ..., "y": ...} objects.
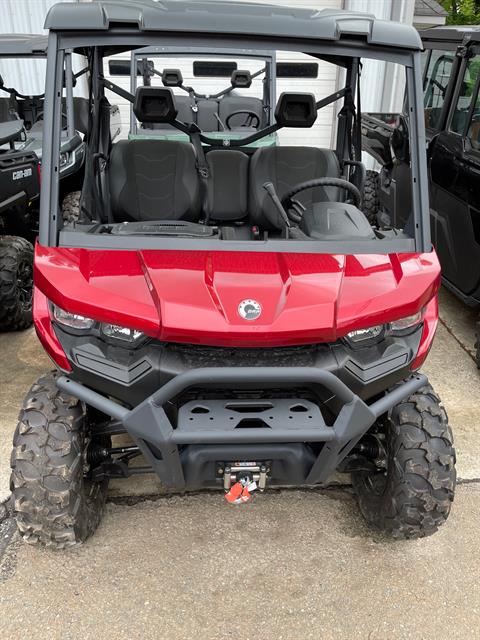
[
  {"x": 452, "y": 33},
  {"x": 429, "y": 8},
  {"x": 230, "y": 18},
  {"x": 22, "y": 44}
]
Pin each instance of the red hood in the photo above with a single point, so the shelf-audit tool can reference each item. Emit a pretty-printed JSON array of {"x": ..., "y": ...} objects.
[{"x": 193, "y": 296}]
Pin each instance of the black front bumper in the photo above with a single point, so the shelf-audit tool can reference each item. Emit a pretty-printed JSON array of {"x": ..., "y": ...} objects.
[{"x": 206, "y": 432}]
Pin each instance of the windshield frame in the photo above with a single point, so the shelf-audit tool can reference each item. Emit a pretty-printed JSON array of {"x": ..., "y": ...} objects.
[{"x": 117, "y": 40}]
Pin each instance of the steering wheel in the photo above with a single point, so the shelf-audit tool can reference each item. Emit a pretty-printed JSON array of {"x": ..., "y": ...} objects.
[
  {"x": 251, "y": 118},
  {"x": 340, "y": 183}
]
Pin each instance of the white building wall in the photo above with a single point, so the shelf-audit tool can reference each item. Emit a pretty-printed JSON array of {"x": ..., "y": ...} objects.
[{"x": 24, "y": 16}]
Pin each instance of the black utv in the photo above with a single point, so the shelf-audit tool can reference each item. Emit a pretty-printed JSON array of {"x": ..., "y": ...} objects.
[
  {"x": 451, "y": 80},
  {"x": 21, "y": 137}
]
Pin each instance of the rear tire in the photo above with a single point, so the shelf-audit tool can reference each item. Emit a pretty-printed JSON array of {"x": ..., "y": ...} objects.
[
  {"x": 412, "y": 498},
  {"x": 54, "y": 503},
  {"x": 477, "y": 344},
  {"x": 371, "y": 204},
  {"x": 71, "y": 207},
  {"x": 16, "y": 283}
]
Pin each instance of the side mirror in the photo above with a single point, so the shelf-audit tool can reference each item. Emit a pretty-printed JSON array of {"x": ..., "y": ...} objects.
[{"x": 1, "y": 81}]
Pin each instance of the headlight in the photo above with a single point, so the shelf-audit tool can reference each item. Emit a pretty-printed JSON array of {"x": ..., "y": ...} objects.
[
  {"x": 88, "y": 325},
  {"x": 406, "y": 325},
  {"x": 64, "y": 159},
  {"x": 401, "y": 327},
  {"x": 362, "y": 335},
  {"x": 72, "y": 320},
  {"x": 121, "y": 333}
]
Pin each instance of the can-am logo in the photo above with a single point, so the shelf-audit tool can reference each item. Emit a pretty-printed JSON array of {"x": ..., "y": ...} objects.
[
  {"x": 22, "y": 173},
  {"x": 249, "y": 309}
]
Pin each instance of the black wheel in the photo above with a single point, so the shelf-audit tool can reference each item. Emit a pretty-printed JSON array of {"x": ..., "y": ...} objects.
[
  {"x": 71, "y": 207},
  {"x": 411, "y": 497},
  {"x": 477, "y": 344},
  {"x": 54, "y": 501},
  {"x": 16, "y": 283},
  {"x": 371, "y": 203}
]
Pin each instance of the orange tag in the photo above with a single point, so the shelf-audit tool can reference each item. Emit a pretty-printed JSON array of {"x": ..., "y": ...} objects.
[
  {"x": 233, "y": 496},
  {"x": 246, "y": 495},
  {"x": 238, "y": 494}
]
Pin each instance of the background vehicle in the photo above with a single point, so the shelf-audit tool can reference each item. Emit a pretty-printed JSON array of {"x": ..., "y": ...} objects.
[
  {"x": 451, "y": 78},
  {"x": 19, "y": 191},
  {"x": 231, "y": 308},
  {"x": 21, "y": 126}
]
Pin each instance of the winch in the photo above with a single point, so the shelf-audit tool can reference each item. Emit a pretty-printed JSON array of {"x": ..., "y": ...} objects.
[{"x": 245, "y": 472}]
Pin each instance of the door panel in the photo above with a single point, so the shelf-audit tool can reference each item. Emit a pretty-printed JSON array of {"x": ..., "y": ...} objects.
[{"x": 454, "y": 166}]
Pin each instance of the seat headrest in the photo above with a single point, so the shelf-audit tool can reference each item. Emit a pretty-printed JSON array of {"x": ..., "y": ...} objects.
[
  {"x": 172, "y": 78},
  {"x": 296, "y": 110},
  {"x": 241, "y": 79},
  {"x": 154, "y": 104}
]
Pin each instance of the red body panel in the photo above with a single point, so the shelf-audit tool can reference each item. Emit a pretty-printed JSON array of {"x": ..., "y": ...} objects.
[{"x": 193, "y": 296}]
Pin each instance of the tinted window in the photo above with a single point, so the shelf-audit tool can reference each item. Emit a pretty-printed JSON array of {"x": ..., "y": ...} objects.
[
  {"x": 435, "y": 86},
  {"x": 473, "y": 133},
  {"x": 122, "y": 67},
  {"x": 213, "y": 68},
  {"x": 297, "y": 70},
  {"x": 460, "y": 119}
]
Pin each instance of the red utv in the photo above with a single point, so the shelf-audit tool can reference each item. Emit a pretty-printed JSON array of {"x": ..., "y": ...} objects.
[{"x": 228, "y": 304}]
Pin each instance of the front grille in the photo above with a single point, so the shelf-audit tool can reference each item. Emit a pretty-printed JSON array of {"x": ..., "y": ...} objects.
[{"x": 195, "y": 356}]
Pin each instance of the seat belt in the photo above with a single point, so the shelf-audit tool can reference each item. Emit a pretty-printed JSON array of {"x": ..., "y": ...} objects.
[
  {"x": 202, "y": 167},
  {"x": 104, "y": 149},
  {"x": 193, "y": 105},
  {"x": 358, "y": 120}
]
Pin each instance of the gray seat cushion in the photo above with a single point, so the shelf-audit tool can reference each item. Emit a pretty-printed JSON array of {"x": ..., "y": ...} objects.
[
  {"x": 206, "y": 116},
  {"x": 227, "y": 197},
  {"x": 184, "y": 107},
  {"x": 286, "y": 167},
  {"x": 153, "y": 180},
  {"x": 80, "y": 113},
  {"x": 7, "y": 107},
  {"x": 185, "y": 114}
]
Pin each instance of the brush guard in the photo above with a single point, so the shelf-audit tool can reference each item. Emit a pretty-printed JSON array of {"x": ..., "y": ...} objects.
[{"x": 209, "y": 432}]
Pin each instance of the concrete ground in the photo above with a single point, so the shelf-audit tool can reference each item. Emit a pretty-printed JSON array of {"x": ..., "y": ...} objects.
[{"x": 291, "y": 565}]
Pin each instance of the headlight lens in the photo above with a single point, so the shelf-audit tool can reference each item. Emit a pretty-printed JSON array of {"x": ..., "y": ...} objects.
[
  {"x": 64, "y": 159},
  {"x": 81, "y": 323},
  {"x": 72, "y": 320},
  {"x": 361, "y": 335},
  {"x": 117, "y": 332},
  {"x": 401, "y": 327},
  {"x": 406, "y": 325}
]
